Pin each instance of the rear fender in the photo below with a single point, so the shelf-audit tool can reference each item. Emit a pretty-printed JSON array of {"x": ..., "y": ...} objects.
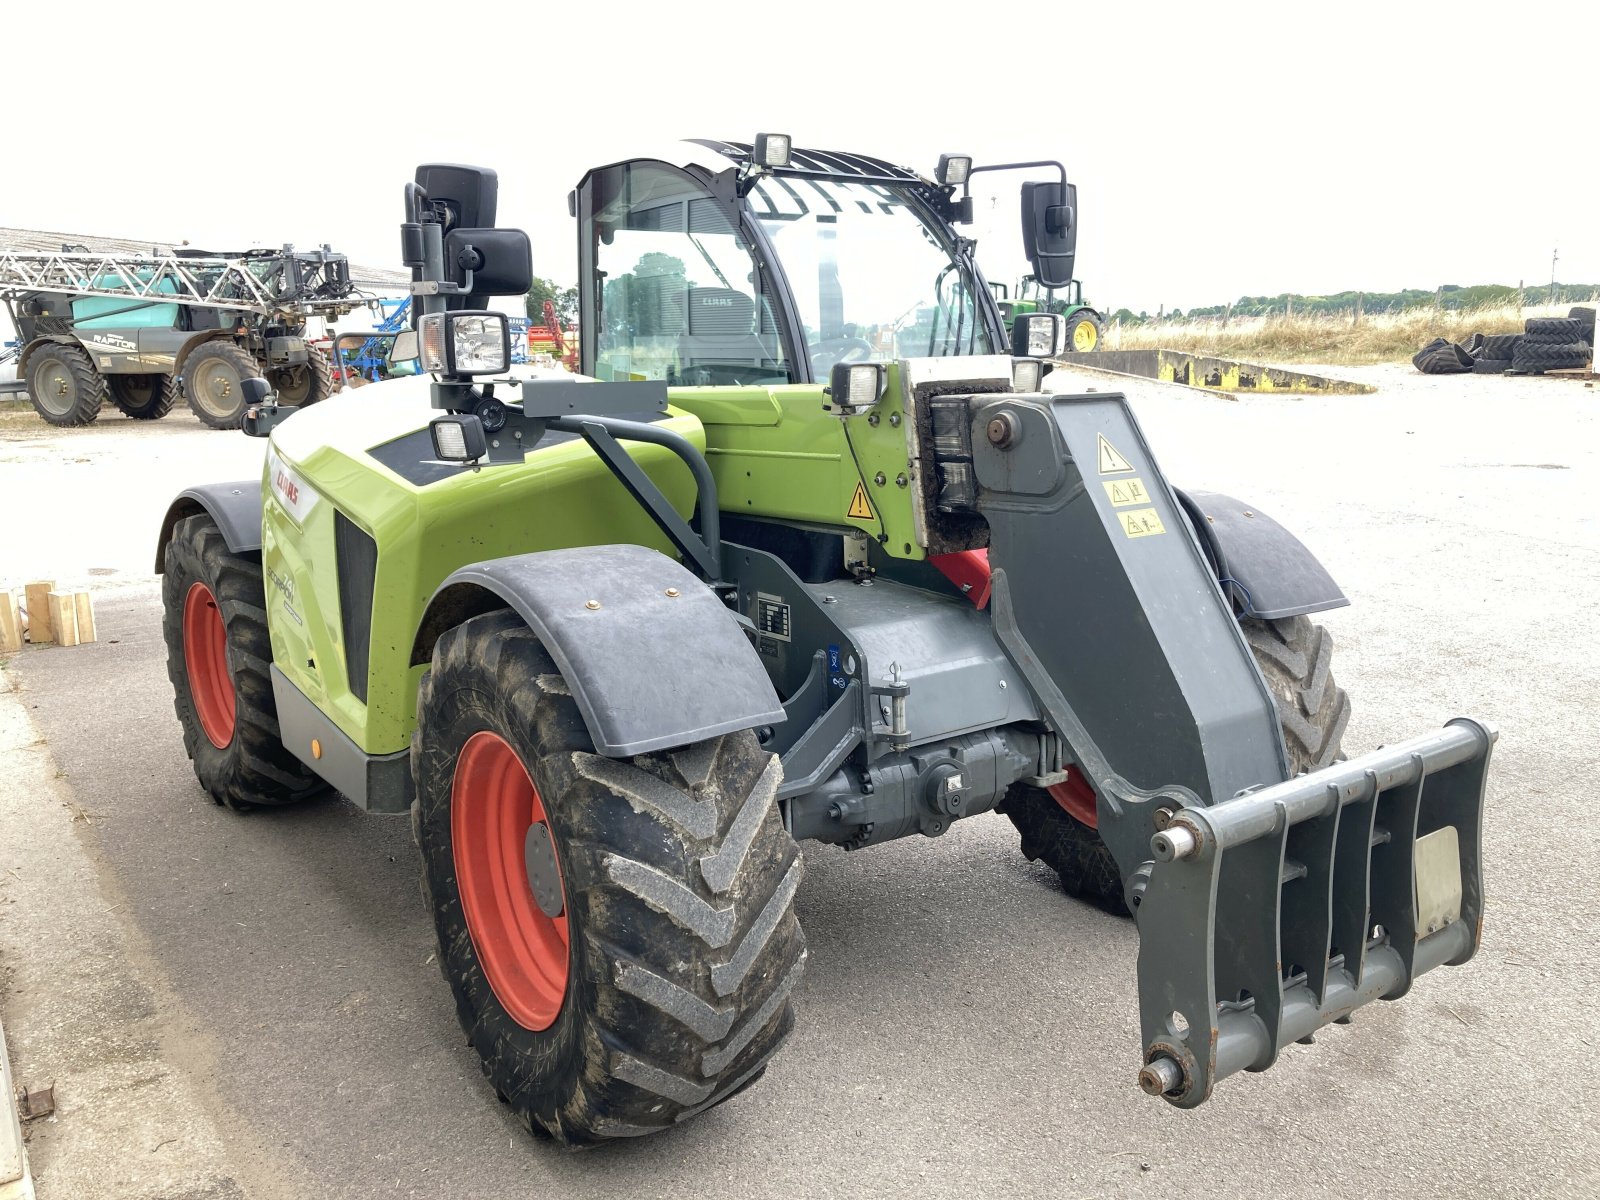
[
  {"x": 653, "y": 658},
  {"x": 1264, "y": 569},
  {"x": 235, "y": 507}
]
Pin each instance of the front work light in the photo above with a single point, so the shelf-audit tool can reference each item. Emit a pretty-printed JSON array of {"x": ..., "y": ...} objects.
[
  {"x": 855, "y": 387},
  {"x": 771, "y": 150},
  {"x": 458, "y": 438},
  {"x": 465, "y": 343},
  {"x": 953, "y": 169},
  {"x": 1038, "y": 335},
  {"x": 1027, "y": 375}
]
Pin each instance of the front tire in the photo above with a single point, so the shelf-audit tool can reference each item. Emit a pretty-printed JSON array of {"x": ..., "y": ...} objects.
[
  {"x": 305, "y": 384},
  {"x": 218, "y": 655},
  {"x": 1295, "y": 656},
  {"x": 652, "y": 978}
]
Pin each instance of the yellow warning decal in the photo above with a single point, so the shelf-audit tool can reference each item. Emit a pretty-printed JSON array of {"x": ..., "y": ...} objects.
[
  {"x": 860, "y": 506},
  {"x": 1111, "y": 460},
  {"x": 1141, "y": 522},
  {"x": 1125, "y": 491}
]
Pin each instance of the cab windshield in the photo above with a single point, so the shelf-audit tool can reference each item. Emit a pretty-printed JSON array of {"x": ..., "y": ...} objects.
[{"x": 872, "y": 281}]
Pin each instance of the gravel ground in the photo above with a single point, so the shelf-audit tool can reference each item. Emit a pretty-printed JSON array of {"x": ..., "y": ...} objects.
[{"x": 964, "y": 1028}]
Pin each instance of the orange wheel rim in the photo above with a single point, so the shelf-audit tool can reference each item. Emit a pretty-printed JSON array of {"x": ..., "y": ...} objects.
[
  {"x": 1076, "y": 798},
  {"x": 524, "y": 952},
  {"x": 205, "y": 655}
]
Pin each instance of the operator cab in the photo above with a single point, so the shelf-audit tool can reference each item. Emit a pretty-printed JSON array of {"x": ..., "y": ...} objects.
[{"x": 708, "y": 266}]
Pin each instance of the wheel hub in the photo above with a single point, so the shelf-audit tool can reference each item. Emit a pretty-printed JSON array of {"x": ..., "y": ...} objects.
[
  {"x": 205, "y": 655},
  {"x": 509, "y": 877}
]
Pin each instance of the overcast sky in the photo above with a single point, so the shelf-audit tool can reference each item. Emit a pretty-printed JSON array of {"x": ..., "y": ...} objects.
[{"x": 1219, "y": 149}]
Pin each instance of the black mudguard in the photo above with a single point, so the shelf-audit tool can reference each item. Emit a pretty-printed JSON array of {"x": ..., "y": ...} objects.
[
  {"x": 1264, "y": 569},
  {"x": 235, "y": 507},
  {"x": 652, "y": 656}
]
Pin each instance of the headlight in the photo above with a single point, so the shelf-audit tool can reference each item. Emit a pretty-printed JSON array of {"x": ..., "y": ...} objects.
[
  {"x": 465, "y": 343},
  {"x": 1038, "y": 335}
]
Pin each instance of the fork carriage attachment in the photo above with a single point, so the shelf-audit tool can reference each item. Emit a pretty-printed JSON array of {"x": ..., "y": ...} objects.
[{"x": 1267, "y": 916}]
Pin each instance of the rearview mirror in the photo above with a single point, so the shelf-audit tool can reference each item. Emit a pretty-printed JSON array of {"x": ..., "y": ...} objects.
[
  {"x": 1050, "y": 230},
  {"x": 501, "y": 262},
  {"x": 404, "y": 348}
]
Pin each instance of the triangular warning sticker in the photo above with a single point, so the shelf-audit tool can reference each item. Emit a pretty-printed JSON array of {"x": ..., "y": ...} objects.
[
  {"x": 860, "y": 506},
  {"x": 1111, "y": 461}
]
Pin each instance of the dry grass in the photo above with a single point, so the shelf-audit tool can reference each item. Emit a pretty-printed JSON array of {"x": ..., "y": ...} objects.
[{"x": 1338, "y": 338}]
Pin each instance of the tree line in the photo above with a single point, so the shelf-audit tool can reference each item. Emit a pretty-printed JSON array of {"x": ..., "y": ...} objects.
[{"x": 1448, "y": 296}]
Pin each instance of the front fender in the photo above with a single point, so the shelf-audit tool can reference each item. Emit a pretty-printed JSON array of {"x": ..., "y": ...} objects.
[
  {"x": 653, "y": 658},
  {"x": 1264, "y": 569},
  {"x": 235, "y": 507}
]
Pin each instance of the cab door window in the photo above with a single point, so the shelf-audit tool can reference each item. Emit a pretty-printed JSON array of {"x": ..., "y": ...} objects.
[{"x": 681, "y": 297}]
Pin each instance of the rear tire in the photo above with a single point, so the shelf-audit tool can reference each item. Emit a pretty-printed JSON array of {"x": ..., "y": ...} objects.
[
  {"x": 64, "y": 386},
  {"x": 213, "y": 383},
  {"x": 143, "y": 397},
  {"x": 1295, "y": 657},
  {"x": 218, "y": 655},
  {"x": 305, "y": 384},
  {"x": 1083, "y": 332},
  {"x": 676, "y": 883}
]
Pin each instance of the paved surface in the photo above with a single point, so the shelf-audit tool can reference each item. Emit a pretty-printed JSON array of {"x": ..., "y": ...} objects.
[{"x": 964, "y": 1029}]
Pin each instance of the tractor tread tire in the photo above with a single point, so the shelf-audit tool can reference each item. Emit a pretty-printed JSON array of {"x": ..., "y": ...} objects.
[
  {"x": 255, "y": 769},
  {"x": 1499, "y": 345},
  {"x": 242, "y": 361},
  {"x": 321, "y": 368},
  {"x": 1295, "y": 658},
  {"x": 1535, "y": 357},
  {"x": 1585, "y": 319},
  {"x": 1444, "y": 361},
  {"x": 1491, "y": 366},
  {"x": 147, "y": 408},
  {"x": 1067, "y": 846},
  {"x": 89, "y": 384},
  {"x": 679, "y": 887},
  {"x": 1553, "y": 331}
]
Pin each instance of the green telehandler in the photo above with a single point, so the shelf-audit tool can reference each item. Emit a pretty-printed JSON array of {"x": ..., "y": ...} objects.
[{"x": 788, "y": 564}]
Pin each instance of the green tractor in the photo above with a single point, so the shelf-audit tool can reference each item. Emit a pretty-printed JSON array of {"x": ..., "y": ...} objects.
[
  {"x": 1085, "y": 326},
  {"x": 787, "y": 565}
]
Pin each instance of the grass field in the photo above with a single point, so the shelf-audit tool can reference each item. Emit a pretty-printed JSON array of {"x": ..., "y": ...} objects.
[{"x": 1337, "y": 338}]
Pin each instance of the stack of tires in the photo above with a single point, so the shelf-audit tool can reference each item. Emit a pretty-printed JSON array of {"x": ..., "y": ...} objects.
[
  {"x": 1495, "y": 353},
  {"x": 1546, "y": 344},
  {"x": 1555, "y": 344}
]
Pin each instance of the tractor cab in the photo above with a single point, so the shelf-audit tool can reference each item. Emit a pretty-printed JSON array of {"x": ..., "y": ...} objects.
[{"x": 727, "y": 263}]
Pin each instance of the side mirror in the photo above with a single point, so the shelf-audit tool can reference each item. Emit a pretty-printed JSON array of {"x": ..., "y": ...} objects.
[
  {"x": 469, "y": 194},
  {"x": 501, "y": 260},
  {"x": 404, "y": 348},
  {"x": 1038, "y": 335},
  {"x": 1050, "y": 230}
]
